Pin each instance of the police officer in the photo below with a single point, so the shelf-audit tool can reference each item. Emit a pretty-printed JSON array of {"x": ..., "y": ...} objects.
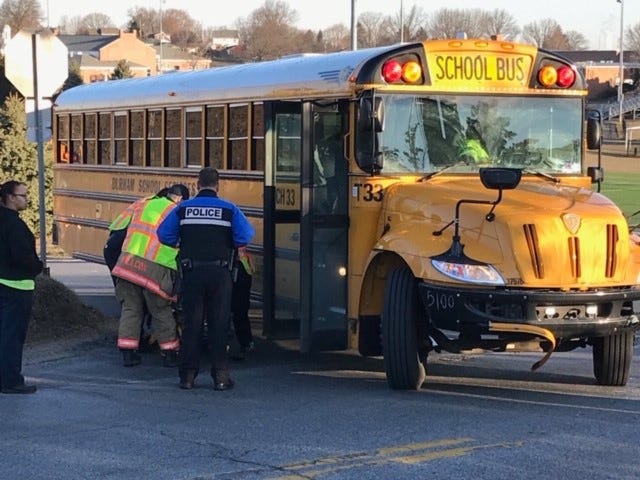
[{"x": 207, "y": 229}]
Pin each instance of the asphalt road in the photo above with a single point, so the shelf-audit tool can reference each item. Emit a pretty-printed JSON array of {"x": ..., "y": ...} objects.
[
  {"x": 325, "y": 416},
  {"x": 328, "y": 416}
]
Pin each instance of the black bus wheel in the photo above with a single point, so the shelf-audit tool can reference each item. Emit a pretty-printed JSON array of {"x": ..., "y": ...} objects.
[
  {"x": 612, "y": 357},
  {"x": 400, "y": 314}
]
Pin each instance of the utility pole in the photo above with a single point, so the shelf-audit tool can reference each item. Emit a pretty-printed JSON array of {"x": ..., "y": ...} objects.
[
  {"x": 354, "y": 26},
  {"x": 161, "y": 39},
  {"x": 621, "y": 82},
  {"x": 401, "y": 23}
]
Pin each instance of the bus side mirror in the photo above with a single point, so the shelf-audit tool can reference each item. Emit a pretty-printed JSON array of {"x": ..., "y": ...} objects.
[
  {"x": 371, "y": 115},
  {"x": 596, "y": 174},
  {"x": 594, "y": 133},
  {"x": 370, "y": 124}
]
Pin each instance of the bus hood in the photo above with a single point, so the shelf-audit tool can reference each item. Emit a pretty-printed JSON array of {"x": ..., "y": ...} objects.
[{"x": 543, "y": 234}]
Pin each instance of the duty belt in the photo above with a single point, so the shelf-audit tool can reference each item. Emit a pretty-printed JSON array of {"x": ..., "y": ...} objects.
[{"x": 210, "y": 263}]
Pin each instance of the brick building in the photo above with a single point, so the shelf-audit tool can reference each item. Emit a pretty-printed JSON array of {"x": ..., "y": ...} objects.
[{"x": 98, "y": 54}]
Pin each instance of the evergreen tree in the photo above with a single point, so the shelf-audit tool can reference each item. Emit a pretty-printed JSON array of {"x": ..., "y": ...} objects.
[
  {"x": 19, "y": 160},
  {"x": 122, "y": 70},
  {"x": 75, "y": 78}
]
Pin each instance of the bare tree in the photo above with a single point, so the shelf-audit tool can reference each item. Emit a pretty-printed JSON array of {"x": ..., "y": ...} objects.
[
  {"x": 499, "y": 23},
  {"x": 447, "y": 22},
  {"x": 69, "y": 25},
  {"x": 308, "y": 41},
  {"x": 94, "y": 21},
  {"x": 412, "y": 23},
  {"x": 144, "y": 20},
  {"x": 335, "y": 38},
  {"x": 546, "y": 33},
  {"x": 632, "y": 39},
  {"x": 576, "y": 40},
  {"x": 370, "y": 31},
  {"x": 19, "y": 14},
  {"x": 268, "y": 32},
  {"x": 183, "y": 29}
]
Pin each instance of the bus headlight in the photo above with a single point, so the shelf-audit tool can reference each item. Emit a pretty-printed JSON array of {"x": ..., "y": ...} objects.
[{"x": 473, "y": 273}]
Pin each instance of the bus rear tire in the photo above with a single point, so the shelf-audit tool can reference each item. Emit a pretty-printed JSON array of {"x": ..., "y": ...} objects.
[
  {"x": 401, "y": 311},
  {"x": 612, "y": 357}
]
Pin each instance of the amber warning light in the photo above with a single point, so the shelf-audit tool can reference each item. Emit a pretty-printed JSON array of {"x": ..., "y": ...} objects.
[
  {"x": 394, "y": 71},
  {"x": 563, "y": 77}
]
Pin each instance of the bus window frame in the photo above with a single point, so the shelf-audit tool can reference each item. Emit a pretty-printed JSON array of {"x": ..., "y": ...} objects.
[
  {"x": 115, "y": 151},
  {"x": 189, "y": 138}
]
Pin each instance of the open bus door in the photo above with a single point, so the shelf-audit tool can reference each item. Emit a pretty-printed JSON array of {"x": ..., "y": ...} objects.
[{"x": 305, "y": 226}]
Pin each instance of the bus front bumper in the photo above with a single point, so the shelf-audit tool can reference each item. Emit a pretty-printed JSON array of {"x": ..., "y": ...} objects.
[{"x": 566, "y": 314}]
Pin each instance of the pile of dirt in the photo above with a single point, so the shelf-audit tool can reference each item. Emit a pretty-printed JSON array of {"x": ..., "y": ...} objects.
[{"x": 58, "y": 313}]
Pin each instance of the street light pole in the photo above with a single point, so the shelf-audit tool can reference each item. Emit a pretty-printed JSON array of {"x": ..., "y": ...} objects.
[
  {"x": 401, "y": 23},
  {"x": 161, "y": 38},
  {"x": 621, "y": 74},
  {"x": 354, "y": 26}
]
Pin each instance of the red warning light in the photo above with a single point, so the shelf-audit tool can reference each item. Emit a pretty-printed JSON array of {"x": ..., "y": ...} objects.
[
  {"x": 566, "y": 77},
  {"x": 392, "y": 71}
]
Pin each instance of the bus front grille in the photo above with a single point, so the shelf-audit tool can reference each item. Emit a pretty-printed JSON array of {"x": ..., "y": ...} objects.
[
  {"x": 612, "y": 258},
  {"x": 534, "y": 249}
]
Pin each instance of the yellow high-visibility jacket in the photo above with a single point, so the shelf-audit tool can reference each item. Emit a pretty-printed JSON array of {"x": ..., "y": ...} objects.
[{"x": 144, "y": 260}]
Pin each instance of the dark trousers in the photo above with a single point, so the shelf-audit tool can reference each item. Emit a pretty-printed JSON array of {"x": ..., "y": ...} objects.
[
  {"x": 240, "y": 301},
  {"x": 15, "y": 311},
  {"x": 208, "y": 288}
]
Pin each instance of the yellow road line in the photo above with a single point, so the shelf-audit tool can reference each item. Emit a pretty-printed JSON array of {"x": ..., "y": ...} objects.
[{"x": 409, "y": 454}]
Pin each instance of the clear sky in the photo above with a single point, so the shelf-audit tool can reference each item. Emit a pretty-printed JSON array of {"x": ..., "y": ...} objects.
[{"x": 598, "y": 20}]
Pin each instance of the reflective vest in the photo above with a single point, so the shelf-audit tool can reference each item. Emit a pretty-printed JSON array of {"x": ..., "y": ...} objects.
[
  {"x": 245, "y": 260},
  {"x": 123, "y": 220},
  {"x": 142, "y": 239},
  {"x": 145, "y": 261}
]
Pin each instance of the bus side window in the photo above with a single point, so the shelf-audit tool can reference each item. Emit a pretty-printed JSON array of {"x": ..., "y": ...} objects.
[
  {"x": 330, "y": 166},
  {"x": 63, "y": 153}
]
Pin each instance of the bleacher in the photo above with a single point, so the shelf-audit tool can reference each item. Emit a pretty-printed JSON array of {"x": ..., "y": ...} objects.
[{"x": 610, "y": 108}]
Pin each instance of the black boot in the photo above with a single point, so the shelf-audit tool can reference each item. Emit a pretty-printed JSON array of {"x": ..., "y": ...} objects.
[
  {"x": 170, "y": 358},
  {"x": 222, "y": 380},
  {"x": 131, "y": 358}
]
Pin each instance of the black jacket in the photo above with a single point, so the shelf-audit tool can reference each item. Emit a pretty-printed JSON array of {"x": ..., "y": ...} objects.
[{"x": 18, "y": 257}]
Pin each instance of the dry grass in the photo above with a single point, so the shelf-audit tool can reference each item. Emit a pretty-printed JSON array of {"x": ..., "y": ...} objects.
[{"x": 58, "y": 313}]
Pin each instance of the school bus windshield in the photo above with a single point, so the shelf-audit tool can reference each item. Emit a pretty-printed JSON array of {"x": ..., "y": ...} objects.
[{"x": 462, "y": 133}]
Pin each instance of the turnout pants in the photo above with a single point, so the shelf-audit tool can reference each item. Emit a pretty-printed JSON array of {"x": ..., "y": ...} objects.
[
  {"x": 15, "y": 312},
  {"x": 207, "y": 289},
  {"x": 133, "y": 299}
]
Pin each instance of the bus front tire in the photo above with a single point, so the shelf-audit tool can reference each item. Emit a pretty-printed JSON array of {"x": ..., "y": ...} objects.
[
  {"x": 401, "y": 312},
  {"x": 612, "y": 357}
]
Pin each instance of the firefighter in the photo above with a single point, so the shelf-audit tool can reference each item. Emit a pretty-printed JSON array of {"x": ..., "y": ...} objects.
[
  {"x": 145, "y": 273},
  {"x": 208, "y": 229},
  {"x": 118, "y": 230}
]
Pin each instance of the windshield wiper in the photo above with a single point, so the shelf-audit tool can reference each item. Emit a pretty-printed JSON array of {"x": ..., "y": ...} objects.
[
  {"x": 438, "y": 172},
  {"x": 542, "y": 175}
]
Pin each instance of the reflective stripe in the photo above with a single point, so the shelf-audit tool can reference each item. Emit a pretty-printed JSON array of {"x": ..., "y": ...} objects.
[
  {"x": 19, "y": 284},
  {"x": 122, "y": 221},
  {"x": 145, "y": 282},
  {"x": 128, "y": 343},
  {"x": 170, "y": 345},
  {"x": 204, "y": 221}
]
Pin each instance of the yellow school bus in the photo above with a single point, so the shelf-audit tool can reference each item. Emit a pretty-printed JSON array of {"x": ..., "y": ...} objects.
[{"x": 410, "y": 198}]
